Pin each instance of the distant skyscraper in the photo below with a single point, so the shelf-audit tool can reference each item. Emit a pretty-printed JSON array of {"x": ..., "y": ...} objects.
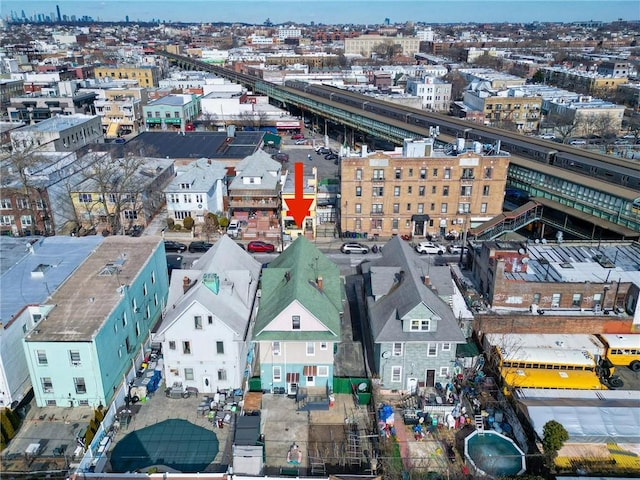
[
  {"x": 126, "y": 19},
  {"x": 58, "y": 10}
]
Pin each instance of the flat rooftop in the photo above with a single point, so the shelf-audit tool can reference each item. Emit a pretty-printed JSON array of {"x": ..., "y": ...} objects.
[
  {"x": 84, "y": 301},
  {"x": 56, "y": 124}
]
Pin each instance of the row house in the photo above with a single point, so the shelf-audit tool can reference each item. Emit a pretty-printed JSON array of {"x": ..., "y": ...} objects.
[
  {"x": 298, "y": 324},
  {"x": 96, "y": 325},
  {"x": 414, "y": 332},
  {"x": 204, "y": 329},
  {"x": 255, "y": 196},
  {"x": 309, "y": 193},
  {"x": 197, "y": 189},
  {"x": 422, "y": 192},
  {"x": 434, "y": 93}
]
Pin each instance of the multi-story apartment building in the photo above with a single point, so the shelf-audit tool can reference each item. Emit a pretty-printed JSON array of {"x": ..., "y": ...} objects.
[
  {"x": 510, "y": 106},
  {"x": 435, "y": 93},
  {"x": 366, "y": 44},
  {"x": 589, "y": 115},
  {"x": 23, "y": 211},
  {"x": 582, "y": 81},
  {"x": 496, "y": 80},
  {"x": 422, "y": 192},
  {"x": 66, "y": 133},
  {"x": 121, "y": 111},
  {"x": 146, "y": 75},
  {"x": 94, "y": 327},
  {"x": 41, "y": 106},
  {"x": 9, "y": 88},
  {"x": 171, "y": 111}
]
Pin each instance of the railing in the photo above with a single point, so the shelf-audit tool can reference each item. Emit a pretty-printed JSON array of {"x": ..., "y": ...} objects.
[
  {"x": 377, "y": 213},
  {"x": 253, "y": 203}
]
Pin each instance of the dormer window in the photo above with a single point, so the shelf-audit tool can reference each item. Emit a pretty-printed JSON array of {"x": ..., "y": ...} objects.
[
  {"x": 420, "y": 325},
  {"x": 185, "y": 186}
]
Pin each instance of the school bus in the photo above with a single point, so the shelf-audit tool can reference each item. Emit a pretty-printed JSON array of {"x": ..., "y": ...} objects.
[
  {"x": 623, "y": 350},
  {"x": 574, "y": 361}
]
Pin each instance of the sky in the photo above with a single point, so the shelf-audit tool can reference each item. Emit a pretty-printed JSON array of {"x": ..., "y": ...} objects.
[{"x": 333, "y": 11}]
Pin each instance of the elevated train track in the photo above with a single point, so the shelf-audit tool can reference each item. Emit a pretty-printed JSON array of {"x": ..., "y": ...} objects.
[{"x": 595, "y": 188}]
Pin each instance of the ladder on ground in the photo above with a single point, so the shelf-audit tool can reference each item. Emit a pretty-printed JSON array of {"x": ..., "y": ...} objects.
[
  {"x": 479, "y": 424},
  {"x": 317, "y": 464}
]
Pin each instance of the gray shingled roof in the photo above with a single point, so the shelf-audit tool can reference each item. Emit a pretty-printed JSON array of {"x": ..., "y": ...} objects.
[
  {"x": 201, "y": 174},
  {"x": 407, "y": 295}
]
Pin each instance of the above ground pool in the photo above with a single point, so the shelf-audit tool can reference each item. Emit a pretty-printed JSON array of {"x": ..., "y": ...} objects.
[{"x": 493, "y": 454}]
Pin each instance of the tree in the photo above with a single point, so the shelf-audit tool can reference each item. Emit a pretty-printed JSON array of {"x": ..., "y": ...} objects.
[
  {"x": 187, "y": 223},
  {"x": 458, "y": 84},
  {"x": 211, "y": 225},
  {"x": 553, "y": 437}
]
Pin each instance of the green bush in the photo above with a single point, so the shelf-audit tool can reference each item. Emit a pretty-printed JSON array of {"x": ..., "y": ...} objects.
[
  {"x": 223, "y": 222},
  {"x": 170, "y": 223},
  {"x": 187, "y": 223}
]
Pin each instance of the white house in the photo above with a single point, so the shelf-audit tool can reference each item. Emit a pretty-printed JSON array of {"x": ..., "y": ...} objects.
[
  {"x": 204, "y": 328},
  {"x": 196, "y": 190}
]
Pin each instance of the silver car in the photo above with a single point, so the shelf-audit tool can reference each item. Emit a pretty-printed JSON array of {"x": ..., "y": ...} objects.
[{"x": 354, "y": 248}]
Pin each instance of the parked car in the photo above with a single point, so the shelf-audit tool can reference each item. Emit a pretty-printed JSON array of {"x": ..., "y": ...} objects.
[
  {"x": 258, "y": 246},
  {"x": 547, "y": 136},
  {"x": 323, "y": 150},
  {"x": 297, "y": 136},
  {"x": 171, "y": 246},
  {"x": 331, "y": 156},
  {"x": 199, "y": 246},
  {"x": 302, "y": 141},
  {"x": 174, "y": 262},
  {"x": 578, "y": 142},
  {"x": 354, "y": 248},
  {"x": 456, "y": 249},
  {"x": 281, "y": 157},
  {"x": 234, "y": 229},
  {"x": 430, "y": 248}
]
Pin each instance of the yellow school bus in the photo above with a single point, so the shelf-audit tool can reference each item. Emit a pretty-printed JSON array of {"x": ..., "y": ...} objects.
[
  {"x": 554, "y": 378},
  {"x": 623, "y": 350}
]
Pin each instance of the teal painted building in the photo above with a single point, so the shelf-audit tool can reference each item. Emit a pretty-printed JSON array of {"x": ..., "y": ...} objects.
[
  {"x": 298, "y": 324},
  {"x": 94, "y": 328},
  {"x": 171, "y": 112}
]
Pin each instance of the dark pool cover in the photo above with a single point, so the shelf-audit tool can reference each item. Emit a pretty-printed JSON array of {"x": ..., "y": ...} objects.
[{"x": 175, "y": 443}]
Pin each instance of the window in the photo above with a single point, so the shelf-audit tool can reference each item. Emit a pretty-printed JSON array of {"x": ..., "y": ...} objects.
[
  {"x": 358, "y": 191},
  {"x": 555, "y": 300},
  {"x": 421, "y": 208},
  {"x": 358, "y": 174},
  {"x": 311, "y": 348},
  {"x": 84, "y": 198},
  {"x": 124, "y": 320},
  {"x": 465, "y": 191},
  {"x": 80, "y": 385},
  {"x": 222, "y": 375},
  {"x": 398, "y": 174},
  {"x": 41, "y": 355},
  {"x": 377, "y": 191},
  {"x": 130, "y": 214},
  {"x": 153, "y": 277},
  {"x": 577, "y": 300},
  {"x": 324, "y": 345},
  {"x": 485, "y": 191},
  {"x": 74, "y": 357},
  {"x": 220, "y": 348},
  {"x": 421, "y": 190},
  {"x": 23, "y": 203},
  {"x": 445, "y": 191},
  {"x": 188, "y": 373},
  {"x": 447, "y": 173},
  {"x": 378, "y": 174},
  {"x": 358, "y": 208},
  {"x": 446, "y": 347},
  {"x": 443, "y": 208},
  {"x": 467, "y": 174},
  {"x": 197, "y": 320},
  {"x": 488, "y": 172},
  {"x": 275, "y": 348},
  {"x": 47, "y": 384},
  {"x": 138, "y": 327},
  {"x": 483, "y": 208},
  {"x": 295, "y": 322},
  {"x": 394, "y": 224},
  {"x": 420, "y": 325},
  {"x": 397, "y": 349},
  {"x": 423, "y": 173},
  {"x": 409, "y": 190},
  {"x": 434, "y": 189},
  {"x": 396, "y": 191},
  {"x": 323, "y": 371},
  {"x": 186, "y": 347},
  {"x": 444, "y": 371},
  {"x": 435, "y": 172},
  {"x": 277, "y": 373},
  {"x": 536, "y": 298},
  {"x": 432, "y": 350},
  {"x": 376, "y": 223},
  {"x": 432, "y": 207},
  {"x": 396, "y": 374},
  {"x": 408, "y": 207},
  {"x": 172, "y": 345},
  {"x": 5, "y": 203},
  {"x": 464, "y": 207},
  {"x": 7, "y": 220}
]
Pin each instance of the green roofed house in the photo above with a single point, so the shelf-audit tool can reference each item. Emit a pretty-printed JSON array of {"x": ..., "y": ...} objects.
[{"x": 298, "y": 320}]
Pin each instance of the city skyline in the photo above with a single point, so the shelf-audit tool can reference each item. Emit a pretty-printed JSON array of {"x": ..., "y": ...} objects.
[{"x": 331, "y": 11}]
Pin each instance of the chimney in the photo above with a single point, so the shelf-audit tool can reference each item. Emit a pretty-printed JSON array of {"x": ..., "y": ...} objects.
[
  {"x": 186, "y": 284},
  {"x": 319, "y": 282},
  {"x": 427, "y": 280}
]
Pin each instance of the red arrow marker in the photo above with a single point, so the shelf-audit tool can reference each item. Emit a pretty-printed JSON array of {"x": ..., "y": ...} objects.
[{"x": 298, "y": 206}]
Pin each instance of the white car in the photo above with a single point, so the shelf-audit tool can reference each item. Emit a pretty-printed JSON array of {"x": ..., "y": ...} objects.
[
  {"x": 354, "y": 248},
  {"x": 547, "y": 136},
  {"x": 456, "y": 249},
  {"x": 430, "y": 248}
]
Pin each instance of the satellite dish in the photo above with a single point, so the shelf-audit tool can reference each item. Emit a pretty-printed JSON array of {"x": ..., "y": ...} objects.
[
  {"x": 521, "y": 251},
  {"x": 386, "y": 354},
  {"x": 362, "y": 387}
]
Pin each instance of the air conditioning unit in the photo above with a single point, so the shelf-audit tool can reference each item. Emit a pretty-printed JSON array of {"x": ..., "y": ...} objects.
[
  {"x": 460, "y": 221},
  {"x": 76, "y": 364}
]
